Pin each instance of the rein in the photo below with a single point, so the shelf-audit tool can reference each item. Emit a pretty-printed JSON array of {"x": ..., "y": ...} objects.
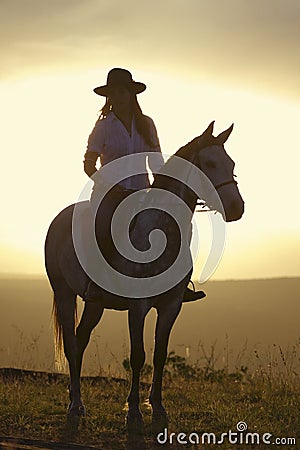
[{"x": 203, "y": 204}]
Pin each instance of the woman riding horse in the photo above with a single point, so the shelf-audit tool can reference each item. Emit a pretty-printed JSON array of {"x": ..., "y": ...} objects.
[{"x": 122, "y": 129}]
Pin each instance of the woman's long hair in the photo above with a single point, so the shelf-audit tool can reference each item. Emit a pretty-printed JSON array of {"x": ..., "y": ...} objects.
[{"x": 142, "y": 123}]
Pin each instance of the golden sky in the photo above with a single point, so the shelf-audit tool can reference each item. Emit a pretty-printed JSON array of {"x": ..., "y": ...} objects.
[
  {"x": 229, "y": 60},
  {"x": 250, "y": 43}
]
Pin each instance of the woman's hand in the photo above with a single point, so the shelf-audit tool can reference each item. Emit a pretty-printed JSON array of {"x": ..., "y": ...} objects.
[{"x": 90, "y": 159}]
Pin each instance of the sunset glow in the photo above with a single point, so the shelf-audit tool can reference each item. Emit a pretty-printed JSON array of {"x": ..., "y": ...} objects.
[{"x": 48, "y": 110}]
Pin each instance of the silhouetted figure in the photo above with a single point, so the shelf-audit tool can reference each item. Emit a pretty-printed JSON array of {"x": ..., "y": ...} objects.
[{"x": 122, "y": 129}]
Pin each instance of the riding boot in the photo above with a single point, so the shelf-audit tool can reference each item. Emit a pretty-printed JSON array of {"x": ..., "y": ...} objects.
[{"x": 192, "y": 295}]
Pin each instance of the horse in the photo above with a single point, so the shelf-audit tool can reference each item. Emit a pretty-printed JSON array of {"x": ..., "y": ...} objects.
[{"x": 68, "y": 279}]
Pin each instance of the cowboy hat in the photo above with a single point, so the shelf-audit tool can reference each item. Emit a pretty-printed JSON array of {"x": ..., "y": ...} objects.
[{"x": 120, "y": 77}]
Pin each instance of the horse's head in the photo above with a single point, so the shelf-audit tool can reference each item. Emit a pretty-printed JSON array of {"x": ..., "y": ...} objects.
[{"x": 211, "y": 157}]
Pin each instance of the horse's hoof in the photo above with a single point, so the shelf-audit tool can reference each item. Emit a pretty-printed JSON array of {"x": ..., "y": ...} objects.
[
  {"x": 134, "y": 422},
  {"x": 77, "y": 411},
  {"x": 160, "y": 420}
]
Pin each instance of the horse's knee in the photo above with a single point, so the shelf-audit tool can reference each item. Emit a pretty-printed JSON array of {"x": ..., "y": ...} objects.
[
  {"x": 82, "y": 340},
  {"x": 160, "y": 356},
  {"x": 137, "y": 359},
  {"x": 90, "y": 318}
]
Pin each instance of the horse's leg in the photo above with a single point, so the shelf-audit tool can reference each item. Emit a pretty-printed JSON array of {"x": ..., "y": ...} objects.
[
  {"x": 167, "y": 314},
  {"x": 136, "y": 318},
  {"x": 65, "y": 304},
  {"x": 91, "y": 316}
]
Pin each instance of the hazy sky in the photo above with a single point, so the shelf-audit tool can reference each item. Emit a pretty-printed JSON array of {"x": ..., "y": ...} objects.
[
  {"x": 228, "y": 60},
  {"x": 254, "y": 43}
]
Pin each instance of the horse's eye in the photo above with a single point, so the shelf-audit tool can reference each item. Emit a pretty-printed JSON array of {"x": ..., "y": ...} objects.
[{"x": 210, "y": 164}]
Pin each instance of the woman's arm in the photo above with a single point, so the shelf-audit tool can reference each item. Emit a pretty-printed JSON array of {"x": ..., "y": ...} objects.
[
  {"x": 90, "y": 159},
  {"x": 155, "y": 160},
  {"x": 94, "y": 148}
]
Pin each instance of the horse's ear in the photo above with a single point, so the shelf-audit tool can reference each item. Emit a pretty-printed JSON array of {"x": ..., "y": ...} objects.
[
  {"x": 222, "y": 138},
  {"x": 209, "y": 130}
]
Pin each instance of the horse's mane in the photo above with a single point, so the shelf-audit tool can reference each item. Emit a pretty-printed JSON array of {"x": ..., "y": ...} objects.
[{"x": 187, "y": 152}]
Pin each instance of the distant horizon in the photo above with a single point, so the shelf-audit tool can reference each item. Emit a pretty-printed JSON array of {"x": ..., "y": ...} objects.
[
  {"x": 238, "y": 315},
  {"x": 21, "y": 276}
]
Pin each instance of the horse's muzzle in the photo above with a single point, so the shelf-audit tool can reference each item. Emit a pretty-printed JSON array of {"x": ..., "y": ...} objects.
[{"x": 235, "y": 210}]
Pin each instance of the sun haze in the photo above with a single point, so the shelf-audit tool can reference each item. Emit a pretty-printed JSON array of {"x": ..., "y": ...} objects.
[{"x": 200, "y": 63}]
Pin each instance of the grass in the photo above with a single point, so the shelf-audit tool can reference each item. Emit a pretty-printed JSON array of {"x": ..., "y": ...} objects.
[{"x": 199, "y": 398}]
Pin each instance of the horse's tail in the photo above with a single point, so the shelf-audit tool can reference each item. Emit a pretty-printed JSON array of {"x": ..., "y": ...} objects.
[{"x": 58, "y": 333}]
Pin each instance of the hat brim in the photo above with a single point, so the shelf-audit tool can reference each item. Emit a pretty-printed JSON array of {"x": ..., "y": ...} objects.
[{"x": 136, "y": 87}]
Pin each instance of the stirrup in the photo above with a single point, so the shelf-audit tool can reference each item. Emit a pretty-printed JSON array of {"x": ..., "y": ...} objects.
[{"x": 192, "y": 295}]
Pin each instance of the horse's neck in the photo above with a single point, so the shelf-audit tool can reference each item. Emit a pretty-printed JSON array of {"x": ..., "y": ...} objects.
[{"x": 172, "y": 185}]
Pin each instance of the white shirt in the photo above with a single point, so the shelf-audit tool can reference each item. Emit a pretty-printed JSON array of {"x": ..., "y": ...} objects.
[{"x": 111, "y": 140}]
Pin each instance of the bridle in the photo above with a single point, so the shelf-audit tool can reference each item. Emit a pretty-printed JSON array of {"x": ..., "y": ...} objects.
[
  {"x": 218, "y": 186},
  {"x": 224, "y": 183},
  {"x": 202, "y": 203}
]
